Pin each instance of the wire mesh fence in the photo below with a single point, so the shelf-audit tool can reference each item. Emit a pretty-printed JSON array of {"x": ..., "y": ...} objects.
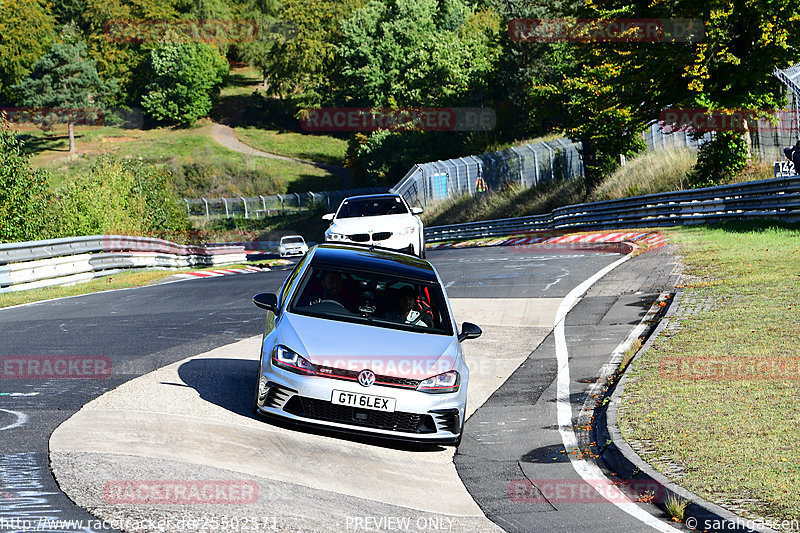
[
  {"x": 263, "y": 206},
  {"x": 528, "y": 165}
]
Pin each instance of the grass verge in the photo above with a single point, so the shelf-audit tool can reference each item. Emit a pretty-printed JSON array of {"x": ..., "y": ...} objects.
[{"x": 706, "y": 399}]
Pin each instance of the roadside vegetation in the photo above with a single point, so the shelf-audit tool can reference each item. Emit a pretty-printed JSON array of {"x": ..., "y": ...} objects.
[{"x": 713, "y": 401}]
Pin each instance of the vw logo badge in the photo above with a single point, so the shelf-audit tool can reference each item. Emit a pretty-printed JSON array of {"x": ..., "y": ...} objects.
[{"x": 366, "y": 378}]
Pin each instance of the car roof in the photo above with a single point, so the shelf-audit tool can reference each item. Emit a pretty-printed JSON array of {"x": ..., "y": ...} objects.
[
  {"x": 372, "y": 196},
  {"x": 369, "y": 259}
]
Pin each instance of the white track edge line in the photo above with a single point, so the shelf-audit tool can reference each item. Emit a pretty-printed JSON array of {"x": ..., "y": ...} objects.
[{"x": 589, "y": 472}]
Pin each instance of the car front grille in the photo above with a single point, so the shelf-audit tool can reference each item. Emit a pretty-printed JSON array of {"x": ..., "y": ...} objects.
[
  {"x": 344, "y": 414},
  {"x": 365, "y": 237},
  {"x": 352, "y": 375}
]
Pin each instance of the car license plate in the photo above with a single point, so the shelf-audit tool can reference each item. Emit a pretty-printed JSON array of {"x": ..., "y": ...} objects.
[{"x": 364, "y": 401}]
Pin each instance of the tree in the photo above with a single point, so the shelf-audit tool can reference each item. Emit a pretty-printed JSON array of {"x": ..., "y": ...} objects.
[
  {"x": 26, "y": 31},
  {"x": 185, "y": 78},
  {"x": 65, "y": 80},
  {"x": 303, "y": 60},
  {"x": 416, "y": 52},
  {"x": 23, "y": 191},
  {"x": 617, "y": 88}
]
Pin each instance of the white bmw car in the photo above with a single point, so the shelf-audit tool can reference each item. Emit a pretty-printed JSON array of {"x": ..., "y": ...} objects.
[
  {"x": 383, "y": 220},
  {"x": 364, "y": 340},
  {"x": 292, "y": 245}
]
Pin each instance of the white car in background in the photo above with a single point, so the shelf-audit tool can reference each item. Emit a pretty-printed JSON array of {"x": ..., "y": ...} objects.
[
  {"x": 383, "y": 220},
  {"x": 292, "y": 245}
]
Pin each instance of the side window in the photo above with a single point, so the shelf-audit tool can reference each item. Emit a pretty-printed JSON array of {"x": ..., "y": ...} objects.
[{"x": 290, "y": 281}]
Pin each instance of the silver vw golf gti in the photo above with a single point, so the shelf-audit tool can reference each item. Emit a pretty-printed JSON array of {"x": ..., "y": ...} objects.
[{"x": 363, "y": 340}]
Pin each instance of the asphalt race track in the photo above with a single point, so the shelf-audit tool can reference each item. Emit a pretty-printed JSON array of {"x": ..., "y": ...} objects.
[{"x": 183, "y": 358}]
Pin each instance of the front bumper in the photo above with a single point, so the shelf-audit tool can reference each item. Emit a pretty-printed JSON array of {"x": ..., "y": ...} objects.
[
  {"x": 418, "y": 416},
  {"x": 395, "y": 242}
]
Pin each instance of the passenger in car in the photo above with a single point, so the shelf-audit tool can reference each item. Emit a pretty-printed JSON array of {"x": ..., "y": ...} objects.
[{"x": 405, "y": 309}]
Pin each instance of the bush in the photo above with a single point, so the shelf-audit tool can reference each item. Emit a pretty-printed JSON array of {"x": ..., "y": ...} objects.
[
  {"x": 23, "y": 191},
  {"x": 720, "y": 159},
  {"x": 185, "y": 78},
  {"x": 119, "y": 197}
]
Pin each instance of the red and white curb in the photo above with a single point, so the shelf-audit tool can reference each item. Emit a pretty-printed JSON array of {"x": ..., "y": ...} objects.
[
  {"x": 651, "y": 239},
  {"x": 220, "y": 272}
]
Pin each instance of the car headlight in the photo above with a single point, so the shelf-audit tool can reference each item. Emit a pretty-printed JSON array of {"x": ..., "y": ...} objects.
[
  {"x": 447, "y": 382},
  {"x": 283, "y": 357},
  {"x": 407, "y": 231},
  {"x": 336, "y": 237}
]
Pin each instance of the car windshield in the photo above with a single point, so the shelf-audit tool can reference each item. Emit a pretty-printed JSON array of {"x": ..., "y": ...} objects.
[
  {"x": 292, "y": 240},
  {"x": 371, "y": 207},
  {"x": 376, "y": 299}
]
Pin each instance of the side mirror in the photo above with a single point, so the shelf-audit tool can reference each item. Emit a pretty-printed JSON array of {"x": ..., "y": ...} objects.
[
  {"x": 469, "y": 331},
  {"x": 266, "y": 300},
  {"x": 328, "y": 216},
  {"x": 416, "y": 210}
]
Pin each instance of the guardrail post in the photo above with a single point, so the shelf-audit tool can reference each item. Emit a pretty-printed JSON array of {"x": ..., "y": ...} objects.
[
  {"x": 188, "y": 211},
  {"x": 281, "y": 198},
  {"x": 246, "y": 214},
  {"x": 227, "y": 213},
  {"x": 208, "y": 215},
  {"x": 299, "y": 207},
  {"x": 264, "y": 204}
]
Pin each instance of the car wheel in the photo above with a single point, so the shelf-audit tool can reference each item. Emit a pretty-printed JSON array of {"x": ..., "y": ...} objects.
[{"x": 423, "y": 253}]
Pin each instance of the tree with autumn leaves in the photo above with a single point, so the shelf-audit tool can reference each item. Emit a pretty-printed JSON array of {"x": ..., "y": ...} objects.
[{"x": 614, "y": 90}]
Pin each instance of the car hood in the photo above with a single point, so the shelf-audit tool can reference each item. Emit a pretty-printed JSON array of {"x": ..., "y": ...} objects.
[
  {"x": 356, "y": 347},
  {"x": 391, "y": 223}
]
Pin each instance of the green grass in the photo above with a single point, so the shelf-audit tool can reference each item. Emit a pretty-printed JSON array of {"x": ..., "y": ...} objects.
[
  {"x": 227, "y": 172},
  {"x": 736, "y": 440},
  {"x": 319, "y": 148},
  {"x": 122, "y": 280},
  {"x": 649, "y": 173}
]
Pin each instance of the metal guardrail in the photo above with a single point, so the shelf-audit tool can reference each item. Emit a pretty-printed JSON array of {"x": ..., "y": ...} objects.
[
  {"x": 775, "y": 198},
  {"x": 35, "y": 264},
  {"x": 278, "y": 204}
]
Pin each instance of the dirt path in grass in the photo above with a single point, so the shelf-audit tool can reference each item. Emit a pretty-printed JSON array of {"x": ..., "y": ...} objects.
[{"x": 226, "y": 136}]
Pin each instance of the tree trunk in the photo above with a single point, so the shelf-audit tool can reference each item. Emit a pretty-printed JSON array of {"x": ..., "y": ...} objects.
[{"x": 71, "y": 127}]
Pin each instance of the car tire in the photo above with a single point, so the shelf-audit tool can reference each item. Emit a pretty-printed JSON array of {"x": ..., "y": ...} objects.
[{"x": 423, "y": 253}]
